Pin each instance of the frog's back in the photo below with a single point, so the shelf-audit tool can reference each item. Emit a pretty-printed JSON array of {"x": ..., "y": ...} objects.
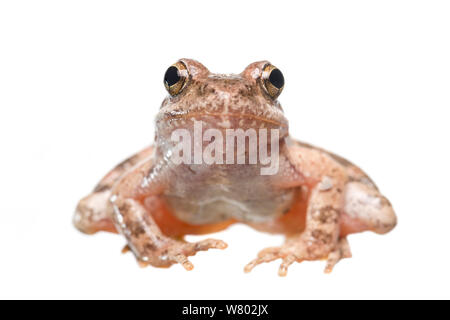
[{"x": 353, "y": 171}]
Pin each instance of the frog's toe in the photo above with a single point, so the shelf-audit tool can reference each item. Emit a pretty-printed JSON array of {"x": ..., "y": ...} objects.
[
  {"x": 271, "y": 254},
  {"x": 184, "y": 261},
  {"x": 287, "y": 261},
  {"x": 342, "y": 251},
  {"x": 180, "y": 252},
  {"x": 260, "y": 259},
  {"x": 207, "y": 244}
]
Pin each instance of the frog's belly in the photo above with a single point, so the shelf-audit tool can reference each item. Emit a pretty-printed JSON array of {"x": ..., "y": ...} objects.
[{"x": 208, "y": 206}]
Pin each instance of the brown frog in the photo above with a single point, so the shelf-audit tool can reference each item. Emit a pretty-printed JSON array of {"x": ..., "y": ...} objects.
[{"x": 310, "y": 195}]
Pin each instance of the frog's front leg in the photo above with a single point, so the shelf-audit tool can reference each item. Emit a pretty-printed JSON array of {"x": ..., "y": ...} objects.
[
  {"x": 135, "y": 222},
  {"x": 320, "y": 239}
]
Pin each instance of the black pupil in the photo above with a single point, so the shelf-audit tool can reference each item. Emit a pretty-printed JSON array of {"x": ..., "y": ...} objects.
[
  {"x": 171, "y": 77},
  {"x": 276, "y": 78}
]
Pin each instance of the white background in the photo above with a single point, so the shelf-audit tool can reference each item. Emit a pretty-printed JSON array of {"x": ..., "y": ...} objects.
[{"x": 80, "y": 84}]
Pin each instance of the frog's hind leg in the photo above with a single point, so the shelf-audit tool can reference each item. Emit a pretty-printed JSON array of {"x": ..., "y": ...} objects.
[
  {"x": 365, "y": 208},
  {"x": 94, "y": 212}
]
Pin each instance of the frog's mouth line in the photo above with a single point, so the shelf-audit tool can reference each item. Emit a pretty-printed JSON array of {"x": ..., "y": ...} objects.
[{"x": 179, "y": 115}]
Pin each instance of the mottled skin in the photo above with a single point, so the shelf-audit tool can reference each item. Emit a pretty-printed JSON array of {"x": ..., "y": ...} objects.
[{"x": 316, "y": 199}]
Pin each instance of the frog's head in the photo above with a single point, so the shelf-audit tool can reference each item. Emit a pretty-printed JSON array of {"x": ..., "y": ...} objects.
[{"x": 235, "y": 101}]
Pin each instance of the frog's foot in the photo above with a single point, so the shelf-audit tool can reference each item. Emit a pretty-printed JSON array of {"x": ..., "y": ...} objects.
[
  {"x": 177, "y": 252},
  {"x": 300, "y": 249}
]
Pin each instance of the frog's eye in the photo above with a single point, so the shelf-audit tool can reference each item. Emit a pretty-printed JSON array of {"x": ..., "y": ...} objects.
[
  {"x": 272, "y": 80},
  {"x": 175, "y": 78}
]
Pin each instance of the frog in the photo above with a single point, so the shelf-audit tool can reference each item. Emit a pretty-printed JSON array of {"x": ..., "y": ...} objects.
[{"x": 314, "y": 198}]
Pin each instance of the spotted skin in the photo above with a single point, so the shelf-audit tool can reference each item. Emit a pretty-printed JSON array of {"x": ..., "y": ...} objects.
[{"x": 316, "y": 199}]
